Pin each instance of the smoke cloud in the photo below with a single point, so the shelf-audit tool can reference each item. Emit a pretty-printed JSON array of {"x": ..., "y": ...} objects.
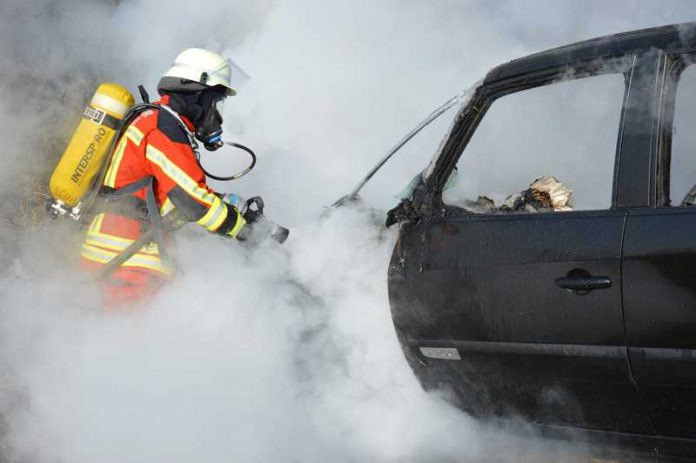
[{"x": 274, "y": 354}]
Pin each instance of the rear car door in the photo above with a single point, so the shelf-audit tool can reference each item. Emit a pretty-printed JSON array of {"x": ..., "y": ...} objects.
[
  {"x": 660, "y": 259},
  {"x": 520, "y": 313}
]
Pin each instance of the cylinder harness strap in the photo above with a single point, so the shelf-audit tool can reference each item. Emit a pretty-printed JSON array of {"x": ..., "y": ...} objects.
[{"x": 152, "y": 235}]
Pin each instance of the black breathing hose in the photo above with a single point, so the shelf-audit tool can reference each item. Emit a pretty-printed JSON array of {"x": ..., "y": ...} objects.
[{"x": 237, "y": 175}]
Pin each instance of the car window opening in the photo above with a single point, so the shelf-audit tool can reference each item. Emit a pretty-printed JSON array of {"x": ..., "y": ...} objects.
[
  {"x": 682, "y": 171},
  {"x": 532, "y": 153}
]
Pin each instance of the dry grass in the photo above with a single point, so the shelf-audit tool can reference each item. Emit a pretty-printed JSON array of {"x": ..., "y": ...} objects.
[{"x": 25, "y": 208}]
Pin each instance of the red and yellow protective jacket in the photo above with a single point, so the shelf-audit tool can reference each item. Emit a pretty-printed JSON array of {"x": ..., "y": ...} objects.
[{"x": 155, "y": 145}]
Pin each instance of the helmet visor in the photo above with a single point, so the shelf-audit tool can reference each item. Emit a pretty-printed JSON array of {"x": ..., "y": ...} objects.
[{"x": 238, "y": 78}]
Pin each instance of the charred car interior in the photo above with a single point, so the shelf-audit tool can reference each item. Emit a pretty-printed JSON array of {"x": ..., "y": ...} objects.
[{"x": 571, "y": 304}]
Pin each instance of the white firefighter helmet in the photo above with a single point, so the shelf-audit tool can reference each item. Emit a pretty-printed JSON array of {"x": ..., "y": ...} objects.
[{"x": 206, "y": 68}]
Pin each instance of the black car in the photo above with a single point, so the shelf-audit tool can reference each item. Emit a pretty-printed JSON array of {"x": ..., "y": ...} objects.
[{"x": 579, "y": 317}]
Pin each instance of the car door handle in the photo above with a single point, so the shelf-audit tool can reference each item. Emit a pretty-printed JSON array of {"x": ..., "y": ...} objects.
[{"x": 584, "y": 283}]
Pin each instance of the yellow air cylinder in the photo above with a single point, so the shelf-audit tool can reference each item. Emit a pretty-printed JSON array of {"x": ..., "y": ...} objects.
[{"x": 90, "y": 143}]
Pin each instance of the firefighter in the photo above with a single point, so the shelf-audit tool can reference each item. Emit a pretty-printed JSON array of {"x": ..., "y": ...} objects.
[{"x": 154, "y": 163}]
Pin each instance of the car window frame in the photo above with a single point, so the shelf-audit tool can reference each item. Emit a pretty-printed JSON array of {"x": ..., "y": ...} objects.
[
  {"x": 484, "y": 97},
  {"x": 676, "y": 64}
]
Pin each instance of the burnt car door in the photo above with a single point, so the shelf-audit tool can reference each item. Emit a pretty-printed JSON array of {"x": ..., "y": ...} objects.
[
  {"x": 520, "y": 313},
  {"x": 660, "y": 255}
]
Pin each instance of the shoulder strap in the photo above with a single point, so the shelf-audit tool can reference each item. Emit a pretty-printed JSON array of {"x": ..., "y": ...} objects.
[
  {"x": 116, "y": 194},
  {"x": 152, "y": 234}
]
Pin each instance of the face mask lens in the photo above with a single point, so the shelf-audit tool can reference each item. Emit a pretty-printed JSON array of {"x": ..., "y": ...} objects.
[
  {"x": 209, "y": 129},
  {"x": 220, "y": 105}
]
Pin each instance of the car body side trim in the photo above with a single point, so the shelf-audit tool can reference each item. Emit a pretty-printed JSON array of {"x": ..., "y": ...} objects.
[{"x": 561, "y": 350}]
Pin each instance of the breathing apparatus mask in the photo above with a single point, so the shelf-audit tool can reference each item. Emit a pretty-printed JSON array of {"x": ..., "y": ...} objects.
[
  {"x": 204, "y": 109},
  {"x": 209, "y": 124}
]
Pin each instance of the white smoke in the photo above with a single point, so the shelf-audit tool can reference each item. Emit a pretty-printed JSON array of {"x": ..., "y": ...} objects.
[{"x": 279, "y": 354}]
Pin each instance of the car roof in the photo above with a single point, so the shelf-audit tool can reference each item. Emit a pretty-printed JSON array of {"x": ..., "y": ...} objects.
[{"x": 675, "y": 37}]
